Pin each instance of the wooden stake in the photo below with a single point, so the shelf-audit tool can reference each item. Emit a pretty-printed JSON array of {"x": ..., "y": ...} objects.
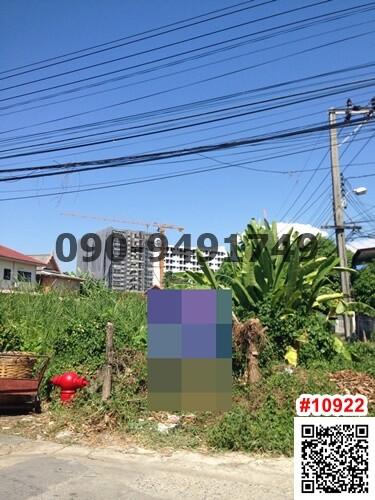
[{"x": 107, "y": 379}]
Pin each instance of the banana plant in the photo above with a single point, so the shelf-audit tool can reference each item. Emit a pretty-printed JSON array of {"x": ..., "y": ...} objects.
[{"x": 283, "y": 270}]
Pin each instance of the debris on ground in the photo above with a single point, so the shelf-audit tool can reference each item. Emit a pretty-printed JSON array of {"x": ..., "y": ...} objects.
[
  {"x": 173, "y": 419},
  {"x": 64, "y": 435},
  {"x": 350, "y": 382},
  {"x": 165, "y": 428}
]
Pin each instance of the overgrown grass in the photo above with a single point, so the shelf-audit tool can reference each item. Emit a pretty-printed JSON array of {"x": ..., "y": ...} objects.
[
  {"x": 262, "y": 418},
  {"x": 71, "y": 328},
  {"x": 363, "y": 360},
  {"x": 36, "y": 320}
]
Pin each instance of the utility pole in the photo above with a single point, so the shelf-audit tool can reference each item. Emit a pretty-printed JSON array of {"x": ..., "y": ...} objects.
[
  {"x": 338, "y": 212},
  {"x": 338, "y": 202}
]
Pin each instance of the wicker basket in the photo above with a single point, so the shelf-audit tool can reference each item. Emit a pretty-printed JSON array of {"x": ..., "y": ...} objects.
[{"x": 18, "y": 365}]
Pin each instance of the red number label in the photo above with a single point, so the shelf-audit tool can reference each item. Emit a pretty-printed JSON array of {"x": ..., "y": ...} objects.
[
  {"x": 315, "y": 403},
  {"x": 337, "y": 405},
  {"x": 326, "y": 405},
  {"x": 349, "y": 407},
  {"x": 360, "y": 405}
]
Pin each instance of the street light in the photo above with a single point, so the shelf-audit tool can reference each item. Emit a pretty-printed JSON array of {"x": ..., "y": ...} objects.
[{"x": 359, "y": 191}]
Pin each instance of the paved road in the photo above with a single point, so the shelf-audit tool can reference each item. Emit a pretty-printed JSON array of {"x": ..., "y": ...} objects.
[{"x": 45, "y": 470}]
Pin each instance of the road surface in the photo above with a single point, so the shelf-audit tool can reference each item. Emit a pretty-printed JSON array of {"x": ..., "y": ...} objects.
[{"x": 45, "y": 470}]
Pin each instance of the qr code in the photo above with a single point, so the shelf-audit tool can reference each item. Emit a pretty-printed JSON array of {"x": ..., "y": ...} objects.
[{"x": 334, "y": 457}]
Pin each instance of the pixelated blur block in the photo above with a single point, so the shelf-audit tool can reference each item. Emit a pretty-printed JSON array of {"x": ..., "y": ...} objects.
[
  {"x": 198, "y": 341},
  {"x": 164, "y": 340},
  {"x": 198, "y": 307},
  {"x": 224, "y": 307},
  {"x": 164, "y": 306},
  {"x": 189, "y": 350}
]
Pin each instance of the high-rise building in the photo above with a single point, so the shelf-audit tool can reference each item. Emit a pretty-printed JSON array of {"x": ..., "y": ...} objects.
[
  {"x": 123, "y": 262},
  {"x": 185, "y": 259}
]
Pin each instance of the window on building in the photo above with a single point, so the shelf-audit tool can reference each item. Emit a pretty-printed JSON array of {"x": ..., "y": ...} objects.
[
  {"x": 7, "y": 274},
  {"x": 24, "y": 276}
]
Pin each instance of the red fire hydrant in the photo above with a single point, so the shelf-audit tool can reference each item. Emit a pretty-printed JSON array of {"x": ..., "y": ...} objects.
[{"x": 69, "y": 382}]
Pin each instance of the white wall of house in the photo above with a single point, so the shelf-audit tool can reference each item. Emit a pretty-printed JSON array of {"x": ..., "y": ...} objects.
[{"x": 15, "y": 267}]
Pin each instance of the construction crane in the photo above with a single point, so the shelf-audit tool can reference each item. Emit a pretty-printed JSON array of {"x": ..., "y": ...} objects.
[{"x": 161, "y": 228}]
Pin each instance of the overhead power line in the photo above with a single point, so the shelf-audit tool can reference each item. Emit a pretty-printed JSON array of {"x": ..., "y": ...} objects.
[
  {"x": 338, "y": 14},
  {"x": 343, "y": 86},
  {"x": 168, "y": 75},
  {"x": 305, "y": 98},
  {"x": 160, "y": 47},
  {"x": 309, "y": 203},
  {"x": 192, "y": 105},
  {"x": 305, "y": 203},
  {"x": 186, "y": 106},
  {"x": 93, "y": 165},
  {"x": 130, "y": 37},
  {"x": 109, "y": 185}
]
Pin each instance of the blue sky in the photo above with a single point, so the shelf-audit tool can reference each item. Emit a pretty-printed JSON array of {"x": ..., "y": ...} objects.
[{"x": 219, "y": 202}]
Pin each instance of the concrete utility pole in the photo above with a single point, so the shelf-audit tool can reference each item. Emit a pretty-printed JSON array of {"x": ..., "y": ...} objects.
[{"x": 338, "y": 202}]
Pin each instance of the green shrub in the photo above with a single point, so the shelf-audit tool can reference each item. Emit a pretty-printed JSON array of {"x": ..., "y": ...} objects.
[
  {"x": 363, "y": 354},
  {"x": 262, "y": 431},
  {"x": 71, "y": 327},
  {"x": 10, "y": 340},
  {"x": 82, "y": 344},
  {"x": 362, "y": 350},
  {"x": 265, "y": 423},
  {"x": 38, "y": 319},
  {"x": 282, "y": 332},
  {"x": 320, "y": 341},
  {"x": 364, "y": 284}
]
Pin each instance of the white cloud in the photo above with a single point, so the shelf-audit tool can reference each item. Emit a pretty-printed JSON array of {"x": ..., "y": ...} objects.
[
  {"x": 361, "y": 243},
  {"x": 284, "y": 227}
]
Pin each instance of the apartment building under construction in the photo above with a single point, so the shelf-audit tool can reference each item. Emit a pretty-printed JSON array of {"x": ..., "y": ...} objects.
[{"x": 124, "y": 261}]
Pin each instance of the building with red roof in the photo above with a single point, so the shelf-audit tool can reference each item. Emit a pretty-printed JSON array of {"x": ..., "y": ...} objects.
[{"x": 16, "y": 268}]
